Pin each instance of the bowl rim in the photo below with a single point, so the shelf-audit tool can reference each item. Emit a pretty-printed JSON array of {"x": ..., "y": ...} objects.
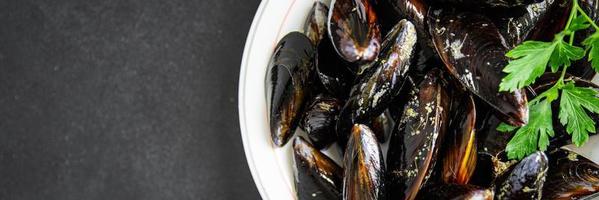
[{"x": 241, "y": 97}]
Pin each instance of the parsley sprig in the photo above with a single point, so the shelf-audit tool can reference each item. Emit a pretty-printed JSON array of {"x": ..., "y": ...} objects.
[{"x": 529, "y": 61}]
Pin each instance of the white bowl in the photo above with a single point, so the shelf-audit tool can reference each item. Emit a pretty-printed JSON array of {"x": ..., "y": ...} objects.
[{"x": 271, "y": 167}]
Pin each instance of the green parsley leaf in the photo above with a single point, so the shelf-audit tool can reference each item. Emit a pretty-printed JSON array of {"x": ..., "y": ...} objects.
[
  {"x": 534, "y": 134},
  {"x": 530, "y": 61},
  {"x": 592, "y": 45},
  {"x": 572, "y": 115},
  {"x": 503, "y": 127},
  {"x": 579, "y": 23},
  {"x": 563, "y": 54}
]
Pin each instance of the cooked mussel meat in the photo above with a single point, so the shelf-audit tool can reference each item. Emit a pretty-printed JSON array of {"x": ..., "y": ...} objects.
[
  {"x": 473, "y": 51},
  {"x": 287, "y": 84},
  {"x": 319, "y": 120},
  {"x": 525, "y": 180},
  {"x": 414, "y": 144},
  {"x": 316, "y": 175},
  {"x": 455, "y": 192},
  {"x": 459, "y": 157},
  {"x": 382, "y": 82},
  {"x": 570, "y": 176},
  {"x": 315, "y": 25},
  {"x": 354, "y": 30},
  {"x": 364, "y": 167}
]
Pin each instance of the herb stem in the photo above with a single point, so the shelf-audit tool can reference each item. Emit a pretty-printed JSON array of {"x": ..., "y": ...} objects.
[{"x": 579, "y": 9}]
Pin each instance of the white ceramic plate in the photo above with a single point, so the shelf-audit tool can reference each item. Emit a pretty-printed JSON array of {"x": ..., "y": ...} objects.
[{"x": 271, "y": 167}]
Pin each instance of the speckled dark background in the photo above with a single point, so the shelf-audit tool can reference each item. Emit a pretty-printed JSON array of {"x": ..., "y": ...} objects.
[{"x": 122, "y": 99}]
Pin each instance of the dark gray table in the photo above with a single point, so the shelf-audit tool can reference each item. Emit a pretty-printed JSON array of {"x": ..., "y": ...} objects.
[{"x": 122, "y": 99}]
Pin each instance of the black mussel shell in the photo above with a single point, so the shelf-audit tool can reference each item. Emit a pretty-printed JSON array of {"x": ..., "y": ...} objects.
[
  {"x": 382, "y": 82},
  {"x": 416, "y": 12},
  {"x": 553, "y": 21},
  {"x": 354, "y": 30},
  {"x": 332, "y": 71},
  {"x": 455, "y": 192},
  {"x": 491, "y": 159},
  {"x": 476, "y": 4},
  {"x": 473, "y": 51},
  {"x": 364, "y": 167},
  {"x": 570, "y": 176},
  {"x": 319, "y": 120},
  {"x": 525, "y": 180},
  {"x": 517, "y": 25},
  {"x": 460, "y": 145},
  {"x": 287, "y": 84},
  {"x": 382, "y": 126},
  {"x": 414, "y": 145},
  {"x": 316, "y": 175},
  {"x": 315, "y": 25}
]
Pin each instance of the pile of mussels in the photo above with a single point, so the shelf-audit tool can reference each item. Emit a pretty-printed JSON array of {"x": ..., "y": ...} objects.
[{"x": 429, "y": 90}]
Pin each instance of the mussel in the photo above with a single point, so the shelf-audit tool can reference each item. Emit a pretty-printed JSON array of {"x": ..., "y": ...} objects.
[
  {"x": 354, "y": 30},
  {"x": 315, "y": 25},
  {"x": 485, "y": 3},
  {"x": 287, "y": 84},
  {"x": 473, "y": 51},
  {"x": 382, "y": 126},
  {"x": 316, "y": 175},
  {"x": 319, "y": 120},
  {"x": 455, "y": 192},
  {"x": 364, "y": 167},
  {"x": 570, "y": 176},
  {"x": 491, "y": 159},
  {"x": 332, "y": 71},
  {"x": 382, "y": 82},
  {"x": 415, "y": 143},
  {"x": 519, "y": 24},
  {"x": 459, "y": 157},
  {"x": 525, "y": 180}
]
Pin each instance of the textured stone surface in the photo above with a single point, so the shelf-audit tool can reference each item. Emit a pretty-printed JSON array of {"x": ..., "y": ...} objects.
[{"x": 122, "y": 99}]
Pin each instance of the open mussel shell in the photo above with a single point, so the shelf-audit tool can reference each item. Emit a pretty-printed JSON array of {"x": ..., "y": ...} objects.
[
  {"x": 460, "y": 145},
  {"x": 315, "y": 25},
  {"x": 382, "y": 82},
  {"x": 320, "y": 118},
  {"x": 455, "y": 192},
  {"x": 287, "y": 84},
  {"x": 570, "y": 176},
  {"x": 364, "y": 167},
  {"x": 473, "y": 51},
  {"x": 414, "y": 145},
  {"x": 525, "y": 180},
  {"x": 484, "y": 3},
  {"x": 354, "y": 30},
  {"x": 316, "y": 175}
]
